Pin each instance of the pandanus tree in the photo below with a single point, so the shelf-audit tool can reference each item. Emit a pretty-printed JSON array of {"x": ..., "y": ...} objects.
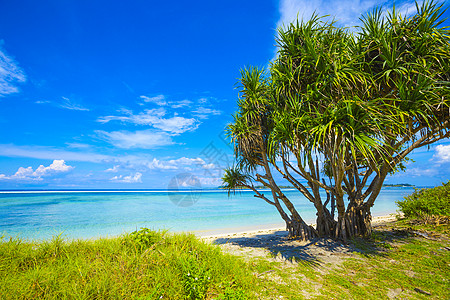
[{"x": 338, "y": 111}]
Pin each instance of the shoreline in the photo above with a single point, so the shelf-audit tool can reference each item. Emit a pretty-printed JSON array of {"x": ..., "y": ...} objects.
[{"x": 207, "y": 235}]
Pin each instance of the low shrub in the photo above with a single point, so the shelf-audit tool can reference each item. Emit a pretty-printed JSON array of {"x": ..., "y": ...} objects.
[{"x": 427, "y": 203}]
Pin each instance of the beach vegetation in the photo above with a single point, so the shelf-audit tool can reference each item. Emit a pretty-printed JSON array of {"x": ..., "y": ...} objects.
[
  {"x": 337, "y": 111},
  {"x": 141, "y": 265},
  {"x": 427, "y": 204},
  {"x": 180, "y": 266}
]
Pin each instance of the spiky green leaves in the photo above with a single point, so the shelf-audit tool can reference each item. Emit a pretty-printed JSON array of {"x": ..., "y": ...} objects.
[{"x": 233, "y": 179}]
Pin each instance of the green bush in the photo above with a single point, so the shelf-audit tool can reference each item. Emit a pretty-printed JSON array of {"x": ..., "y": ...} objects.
[
  {"x": 144, "y": 238},
  {"x": 425, "y": 202}
]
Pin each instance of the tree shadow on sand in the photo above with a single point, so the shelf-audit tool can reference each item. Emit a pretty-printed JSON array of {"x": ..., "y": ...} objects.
[{"x": 317, "y": 251}]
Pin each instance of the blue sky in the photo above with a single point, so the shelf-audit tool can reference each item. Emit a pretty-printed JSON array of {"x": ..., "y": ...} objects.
[{"x": 109, "y": 94}]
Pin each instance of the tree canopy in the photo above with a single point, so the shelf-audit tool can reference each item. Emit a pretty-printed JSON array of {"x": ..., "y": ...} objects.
[{"x": 340, "y": 109}]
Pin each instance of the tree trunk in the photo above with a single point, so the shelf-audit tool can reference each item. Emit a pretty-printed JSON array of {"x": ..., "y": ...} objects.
[
  {"x": 355, "y": 222},
  {"x": 359, "y": 220},
  {"x": 298, "y": 229},
  {"x": 325, "y": 224}
]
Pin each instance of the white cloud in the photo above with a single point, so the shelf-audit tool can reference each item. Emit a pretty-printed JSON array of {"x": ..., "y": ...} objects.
[
  {"x": 175, "y": 164},
  {"x": 66, "y": 103},
  {"x": 210, "y": 181},
  {"x": 204, "y": 113},
  {"x": 114, "y": 169},
  {"x": 161, "y": 165},
  {"x": 57, "y": 167},
  {"x": 155, "y": 117},
  {"x": 442, "y": 153},
  {"x": 69, "y": 104},
  {"x": 179, "y": 104},
  {"x": 161, "y": 100},
  {"x": 145, "y": 139},
  {"x": 145, "y": 118},
  {"x": 143, "y": 164},
  {"x": 209, "y": 166},
  {"x": 420, "y": 172},
  {"x": 41, "y": 152},
  {"x": 137, "y": 177},
  {"x": 10, "y": 74},
  {"x": 22, "y": 173},
  {"x": 158, "y": 100},
  {"x": 176, "y": 124},
  {"x": 78, "y": 145}
]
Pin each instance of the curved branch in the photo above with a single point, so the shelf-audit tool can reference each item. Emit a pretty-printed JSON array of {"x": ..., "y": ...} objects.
[{"x": 259, "y": 195}]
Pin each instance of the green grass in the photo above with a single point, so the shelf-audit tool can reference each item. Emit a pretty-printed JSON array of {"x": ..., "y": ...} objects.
[
  {"x": 143, "y": 265},
  {"x": 393, "y": 262},
  {"x": 408, "y": 267},
  {"x": 158, "y": 265}
]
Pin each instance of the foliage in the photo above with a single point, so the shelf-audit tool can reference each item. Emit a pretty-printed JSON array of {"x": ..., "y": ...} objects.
[
  {"x": 345, "y": 105},
  {"x": 144, "y": 238},
  {"x": 196, "y": 277},
  {"x": 427, "y": 202}
]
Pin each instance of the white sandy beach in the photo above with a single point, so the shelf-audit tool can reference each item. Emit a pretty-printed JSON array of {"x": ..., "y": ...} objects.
[
  {"x": 249, "y": 231},
  {"x": 271, "y": 242}
]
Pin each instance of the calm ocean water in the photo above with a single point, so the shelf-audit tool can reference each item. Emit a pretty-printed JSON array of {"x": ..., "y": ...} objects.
[{"x": 40, "y": 215}]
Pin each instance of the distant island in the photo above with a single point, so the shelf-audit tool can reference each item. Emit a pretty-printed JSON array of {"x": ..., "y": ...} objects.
[{"x": 399, "y": 185}]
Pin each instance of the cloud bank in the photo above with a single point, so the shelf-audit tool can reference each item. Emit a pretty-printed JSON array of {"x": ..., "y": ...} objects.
[{"x": 57, "y": 167}]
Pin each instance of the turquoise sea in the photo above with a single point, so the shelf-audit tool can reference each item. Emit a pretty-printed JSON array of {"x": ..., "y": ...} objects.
[{"x": 90, "y": 214}]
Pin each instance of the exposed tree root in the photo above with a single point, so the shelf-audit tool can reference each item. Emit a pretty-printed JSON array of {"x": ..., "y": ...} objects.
[{"x": 300, "y": 230}]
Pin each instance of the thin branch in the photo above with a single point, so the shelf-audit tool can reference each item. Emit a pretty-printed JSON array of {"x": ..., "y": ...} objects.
[
  {"x": 294, "y": 181},
  {"x": 259, "y": 195},
  {"x": 308, "y": 176}
]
